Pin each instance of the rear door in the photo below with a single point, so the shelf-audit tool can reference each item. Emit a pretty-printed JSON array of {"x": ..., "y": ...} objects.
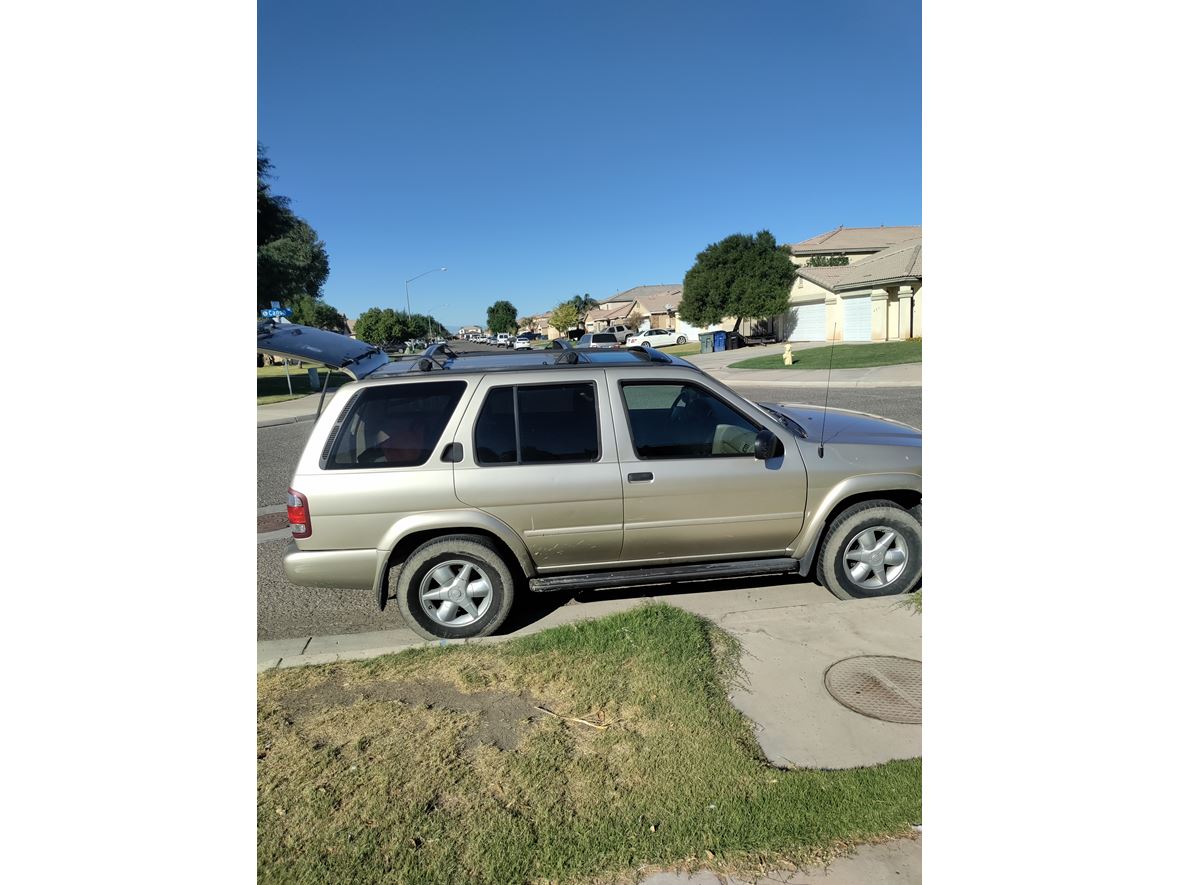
[
  {"x": 692, "y": 488},
  {"x": 540, "y": 455}
]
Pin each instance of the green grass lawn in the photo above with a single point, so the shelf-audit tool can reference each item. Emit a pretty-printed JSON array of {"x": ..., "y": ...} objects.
[
  {"x": 682, "y": 349},
  {"x": 272, "y": 382},
  {"x": 842, "y": 356},
  {"x": 438, "y": 765}
]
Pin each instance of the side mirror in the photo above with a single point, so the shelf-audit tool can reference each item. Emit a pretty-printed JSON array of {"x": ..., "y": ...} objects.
[{"x": 766, "y": 445}]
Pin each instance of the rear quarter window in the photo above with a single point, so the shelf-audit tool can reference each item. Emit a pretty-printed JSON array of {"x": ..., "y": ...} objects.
[{"x": 395, "y": 425}]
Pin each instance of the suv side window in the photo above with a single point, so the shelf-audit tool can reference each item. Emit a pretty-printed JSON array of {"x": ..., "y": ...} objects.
[
  {"x": 395, "y": 425},
  {"x": 538, "y": 424},
  {"x": 674, "y": 419}
]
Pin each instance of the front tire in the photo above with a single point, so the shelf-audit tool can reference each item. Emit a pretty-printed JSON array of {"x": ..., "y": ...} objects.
[
  {"x": 872, "y": 549},
  {"x": 455, "y": 587}
]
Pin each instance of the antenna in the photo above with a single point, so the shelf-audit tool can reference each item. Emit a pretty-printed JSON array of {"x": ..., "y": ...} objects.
[{"x": 827, "y": 390}]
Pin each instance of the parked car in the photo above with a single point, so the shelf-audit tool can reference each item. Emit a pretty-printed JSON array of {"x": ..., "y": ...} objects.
[
  {"x": 524, "y": 341},
  {"x": 503, "y": 339},
  {"x": 432, "y": 481},
  {"x": 656, "y": 338},
  {"x": 598, "y": 339},
  {"x": 621, "y": 333},
  {"x": 395, "y": 347}
]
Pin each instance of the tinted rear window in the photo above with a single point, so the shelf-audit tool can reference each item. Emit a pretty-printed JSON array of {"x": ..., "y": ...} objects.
[
  {"x": 556, "y": 423},
  {"x": 397, "y": 425}
]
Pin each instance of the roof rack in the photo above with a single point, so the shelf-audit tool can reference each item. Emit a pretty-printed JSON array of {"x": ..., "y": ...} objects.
[{"x": 443, "y": 357}]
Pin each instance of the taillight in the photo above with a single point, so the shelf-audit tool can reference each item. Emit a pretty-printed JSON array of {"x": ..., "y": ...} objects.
[{"x": 298, "y": 514}]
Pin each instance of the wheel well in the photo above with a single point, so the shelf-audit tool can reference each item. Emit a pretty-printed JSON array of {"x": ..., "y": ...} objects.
[
  {"x": 906, "y": 498},
  {"x": 411, "y": 542}
]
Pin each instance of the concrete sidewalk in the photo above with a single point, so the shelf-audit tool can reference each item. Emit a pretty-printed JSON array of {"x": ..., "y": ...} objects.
[
  {"x": 302, "y": 409},
  {"x": 890, "y": 863}
]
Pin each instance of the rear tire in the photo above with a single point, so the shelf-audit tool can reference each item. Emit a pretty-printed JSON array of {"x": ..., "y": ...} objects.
[
  {"x": 468, "y": 564},
  {"x": 872, "y": 549},
  {"x": 681, "y": 340}
]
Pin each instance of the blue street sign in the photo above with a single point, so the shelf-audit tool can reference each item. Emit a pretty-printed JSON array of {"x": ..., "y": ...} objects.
[{"x": 277, "y": 312}]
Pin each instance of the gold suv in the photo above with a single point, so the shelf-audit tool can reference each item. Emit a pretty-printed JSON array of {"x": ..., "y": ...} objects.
[{"x": 456, "y": 481}]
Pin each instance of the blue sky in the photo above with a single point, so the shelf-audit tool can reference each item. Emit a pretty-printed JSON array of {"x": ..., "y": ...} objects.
[{"x": 544, "y": 149}]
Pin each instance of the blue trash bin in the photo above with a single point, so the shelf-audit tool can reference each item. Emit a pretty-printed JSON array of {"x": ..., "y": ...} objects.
[{"x": 719, "y": 340}]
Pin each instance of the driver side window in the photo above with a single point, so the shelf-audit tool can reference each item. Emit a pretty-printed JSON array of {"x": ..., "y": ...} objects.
[{"x": 674, "y": 419}]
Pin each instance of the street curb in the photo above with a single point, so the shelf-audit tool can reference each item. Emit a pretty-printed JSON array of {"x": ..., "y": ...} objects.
[{"x": 275, "y": 422}]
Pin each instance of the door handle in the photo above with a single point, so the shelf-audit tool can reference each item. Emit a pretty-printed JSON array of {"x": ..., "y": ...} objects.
[{"x": 639, "y": 477}]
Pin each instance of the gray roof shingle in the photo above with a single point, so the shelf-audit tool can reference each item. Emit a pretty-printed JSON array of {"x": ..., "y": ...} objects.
[
  {"x": 899, "y": 264},
  {"x": 856, "y": 239}
]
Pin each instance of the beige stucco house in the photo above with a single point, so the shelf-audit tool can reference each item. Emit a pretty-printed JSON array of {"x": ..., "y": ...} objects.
[{"x": 877, "y": 296}]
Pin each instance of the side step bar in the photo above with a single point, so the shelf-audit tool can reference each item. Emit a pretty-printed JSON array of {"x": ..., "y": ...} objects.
[{"x": 663, "y": 575}]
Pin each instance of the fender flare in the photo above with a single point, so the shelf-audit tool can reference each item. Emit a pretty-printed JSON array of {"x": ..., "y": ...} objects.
[
  {"x": 450, "y": 520},
  {"x": 808, "y": 540}
]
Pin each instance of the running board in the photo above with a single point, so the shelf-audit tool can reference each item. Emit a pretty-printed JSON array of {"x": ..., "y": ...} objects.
[{"x": 688, "y": 572}]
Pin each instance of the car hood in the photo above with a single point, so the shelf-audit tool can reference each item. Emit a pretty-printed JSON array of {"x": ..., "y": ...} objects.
[
  {"x": 355, "y": 358},
  {"x": 846, "y": 426}
]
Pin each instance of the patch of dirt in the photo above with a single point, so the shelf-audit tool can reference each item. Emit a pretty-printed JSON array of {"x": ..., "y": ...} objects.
[{"x": 503, "y": 717}]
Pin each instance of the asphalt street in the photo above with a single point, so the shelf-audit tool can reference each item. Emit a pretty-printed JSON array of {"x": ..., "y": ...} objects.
[{"x": 285, "y": 610}]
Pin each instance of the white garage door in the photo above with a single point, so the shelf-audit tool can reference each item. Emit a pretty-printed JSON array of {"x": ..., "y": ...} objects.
[
  {"x": 809, "y": 322},
  {"x": 858, "y": 319}
]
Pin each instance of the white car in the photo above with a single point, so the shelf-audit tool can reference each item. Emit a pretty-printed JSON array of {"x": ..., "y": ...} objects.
[
  {"x": 503, "y": 339},
  {"x": 656, "y": 338}
]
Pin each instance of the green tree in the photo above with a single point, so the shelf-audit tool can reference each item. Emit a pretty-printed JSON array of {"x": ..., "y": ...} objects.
[
  {"x": 742, "y": 276},
  {"x": 565, "y": 317},
  {"x": 292, "y": 259},
  {"x": 308, "y": 312},
  {"x": 502, "y": 317},
  {"x": 384, "y": 326},
  {"x": 583, "y": 304}
]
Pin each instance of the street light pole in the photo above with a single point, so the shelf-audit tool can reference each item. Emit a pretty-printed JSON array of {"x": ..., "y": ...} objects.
[{"x": 410, "y": 280}]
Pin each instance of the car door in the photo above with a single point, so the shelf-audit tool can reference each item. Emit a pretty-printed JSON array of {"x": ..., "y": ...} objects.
[
  {"x": 692, "y": 488},
  {"x": 540, "y": 456}
]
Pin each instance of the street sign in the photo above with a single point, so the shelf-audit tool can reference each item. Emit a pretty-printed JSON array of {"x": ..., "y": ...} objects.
[{"x": 277, "y": 312}]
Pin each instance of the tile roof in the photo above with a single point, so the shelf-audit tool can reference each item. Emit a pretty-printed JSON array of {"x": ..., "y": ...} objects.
[
  {"x": 856, "y": 239},
  {"x": 899, "y": 264},
  {"x": 611, "y": 310},
  {"x": 654, "y": 298}
]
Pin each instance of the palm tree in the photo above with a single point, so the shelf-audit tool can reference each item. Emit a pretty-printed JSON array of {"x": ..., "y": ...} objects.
[{"x": 583, "y": 304}]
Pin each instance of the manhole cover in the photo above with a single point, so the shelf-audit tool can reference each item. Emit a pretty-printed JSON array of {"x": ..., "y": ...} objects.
[
  {"x": 271, "y": 522},
  {"x": 879, "y": 686}
]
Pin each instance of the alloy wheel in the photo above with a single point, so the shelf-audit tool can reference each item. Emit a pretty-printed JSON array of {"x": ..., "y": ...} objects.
[
  {"x": 875, "y": 557},
  {"x": 455, "y": 593}
]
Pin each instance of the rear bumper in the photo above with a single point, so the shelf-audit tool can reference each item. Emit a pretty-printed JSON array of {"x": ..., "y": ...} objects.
[{"x": 346, "y": 569}]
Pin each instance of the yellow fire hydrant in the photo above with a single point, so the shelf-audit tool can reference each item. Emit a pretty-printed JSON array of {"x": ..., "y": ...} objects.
[{"x": 788, "y": 359}]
